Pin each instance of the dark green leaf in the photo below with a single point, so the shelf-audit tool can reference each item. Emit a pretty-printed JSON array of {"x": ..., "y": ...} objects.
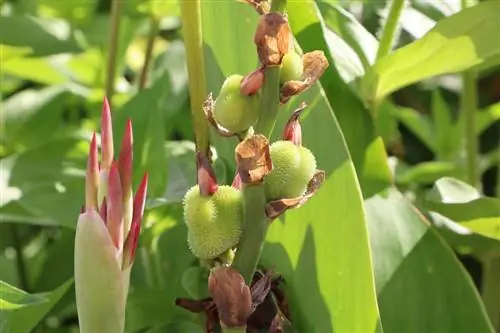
[{"x": 44, "y": 36}]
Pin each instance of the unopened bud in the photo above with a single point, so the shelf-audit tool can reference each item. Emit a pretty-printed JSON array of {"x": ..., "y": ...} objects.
[
  {"x": 293, "y": 130},
  {"x": 207, "y": 180},
  {"x": 252, "y": 83},
  {"x": 273, "y": 38}
]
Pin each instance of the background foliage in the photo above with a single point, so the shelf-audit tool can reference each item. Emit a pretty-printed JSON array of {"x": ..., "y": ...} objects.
[{"x": 403, "y": 236}]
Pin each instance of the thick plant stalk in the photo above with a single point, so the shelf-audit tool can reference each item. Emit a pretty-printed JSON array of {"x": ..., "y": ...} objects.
[
  {"x": 154, "y": 25},
  {"x": 113, "y": 48},
  {"x": 193, "y": 40},
  {"x": 469, "y": 108},
  {"x": 491, "y": 289},
  {"x": 255, "y": 225},
  {"x": 389, "y": 31}
]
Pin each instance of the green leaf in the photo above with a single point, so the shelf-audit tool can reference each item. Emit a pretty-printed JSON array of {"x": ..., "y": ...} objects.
[
  {"x": 40, "y": 70},
  {"x": 487, "y": 117},
  {"x": 147, "y": 113},
  {"x": 462, "y": 203},
  {"x": 427, "y": 172},
  {"x": 320, "y": 251},
  {"x": 474, "y": 31},
  {"x": 447, "y": 140},
  {"x": 25, "y": 319},
  {"x": 166, "y": 258},
  {"x": 12, "y": 298},
  {"x": 421, "y": 285},
  {"x": 32, "y": 117},
  {"x": 366, "y": 148},
  {"x": 351, "y": 31},
  {"x": 303, "y": 249},
  {"x": 78, "y": 12},
  {"x": 44, "y": 185},
  {"x": 418, "y": 124},
  {"x": 44, "y": 36},
  {"x": 9, "y": 52}
]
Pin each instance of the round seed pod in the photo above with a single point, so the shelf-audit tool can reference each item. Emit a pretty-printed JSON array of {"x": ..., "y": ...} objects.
[
  {"x": 293, "y": 168},
  {"x": 292, "y": 67},
  {"x": 233, "y": 110},
  {"x": 214, "y": 223}
]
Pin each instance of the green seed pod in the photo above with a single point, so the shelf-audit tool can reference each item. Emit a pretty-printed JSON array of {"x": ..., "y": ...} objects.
[
  {"x": 214, "y": 223},
  {"x": 233, "y": 110},
  {"x": 292, "y": 67},
  {"x": 293, "y": 168}
]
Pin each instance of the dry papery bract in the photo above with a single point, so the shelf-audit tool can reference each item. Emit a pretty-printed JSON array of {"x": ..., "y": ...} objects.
[
  {"x": 273, "y": 39},
  {"x": 315, "y": 64},
  {"x": 253, "y": 159},
  {"x": 261, "y": 6},
  {"x": 277, "y": 207}
]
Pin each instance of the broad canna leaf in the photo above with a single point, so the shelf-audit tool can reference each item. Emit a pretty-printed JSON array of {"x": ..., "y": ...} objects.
[
  {"x": 462, "y": 203},
  {"x": 474, "y": 31}
]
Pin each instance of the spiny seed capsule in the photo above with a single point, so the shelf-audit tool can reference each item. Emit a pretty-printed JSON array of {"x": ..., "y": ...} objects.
[
  {"x": 233, "y": 110},
  {"x": 214, "y": 223},
  {"x": 292, "y": 67},
  {"x": 293, "y": 168}
]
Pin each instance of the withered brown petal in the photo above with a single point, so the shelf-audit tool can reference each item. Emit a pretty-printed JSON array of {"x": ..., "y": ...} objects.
[
  {"x": 231, "y": 296},
  {"x": 278, "y": 207},
  {"x": 253, "y": 159},
  {"x": 208, "y": 106},
  {"x": 315, "y": 64},
  {"x": 195, "y": 306},
  {"x": 290, "y": 89},
  {"x": 260, "y": 289},
  {"x": 273, "y": 38}
]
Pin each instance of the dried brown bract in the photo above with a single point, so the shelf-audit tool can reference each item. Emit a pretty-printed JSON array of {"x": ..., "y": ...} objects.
[
  {"x": 273, "y": 38},
  {"x": 261, "y": 6},
  {"x": 276, "y": 208},
  {"x": 253, "y": 159},
  {"x": 231, "y": 296},
  {"x": 315, "y": 64}
]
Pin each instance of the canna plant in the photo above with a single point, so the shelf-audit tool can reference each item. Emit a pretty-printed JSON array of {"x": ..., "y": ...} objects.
[
  {"x": 227, "y": 224},
  {"x": 107, "y": 233}
]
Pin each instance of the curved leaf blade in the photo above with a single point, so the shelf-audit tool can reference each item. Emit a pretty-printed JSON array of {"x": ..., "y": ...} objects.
[{"x": 474, "y": 31}]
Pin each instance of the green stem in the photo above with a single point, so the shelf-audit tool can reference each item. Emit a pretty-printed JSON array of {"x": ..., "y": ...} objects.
[
  {"x": 153, "y": 32},
  {"x": 255, "y": 225},
  {"x": 193, "y": 40},
  {"x": 269, "y": 102},
  {"x": 498, "y": 174},
  {"x": 390, "y": 28},
  {"x": 469, "y": 106},
  {"x": 255, "y": 221},
  {"x": 20, "y": 263},
  {"x": 113, "y": 48},
  {"x": 491, "y": 289}
]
